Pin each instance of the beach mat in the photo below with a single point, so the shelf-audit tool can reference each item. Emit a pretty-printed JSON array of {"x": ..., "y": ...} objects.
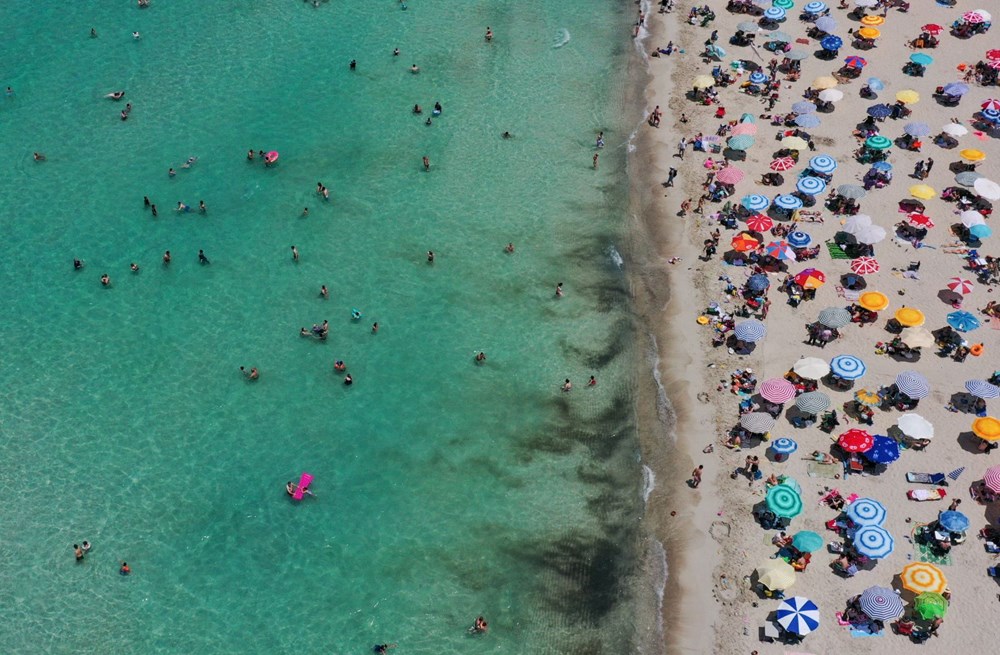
[
  {"x": 818, "y": 470},
  {"x": 857, "y": 634},
  {"x": 924, "y": 553},
  {"x": 835, "y": 251}
]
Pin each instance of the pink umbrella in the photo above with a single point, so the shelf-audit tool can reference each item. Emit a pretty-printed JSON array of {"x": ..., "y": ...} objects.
[
  {"x": 864, "y": 265},
  {"x": 973, "y": 17},
  {"x": 777, "y": 390},
  {"x": 744, "y": 128},
  {"x": 782, "y": 164},
  {"x": 960, "y": 285},
  {"x": 730, "y": 175},
  {"x": 992, "y": 478},
  {"x": 921, "y": 220},
  {"x": 991, "y": 103},
  {"x": 760, "y": 223}
]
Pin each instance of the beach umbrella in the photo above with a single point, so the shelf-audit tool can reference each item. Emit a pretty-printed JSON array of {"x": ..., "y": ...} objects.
[
  {"x": 962, "y": 321},
  {"x": 823, "y": 164},
  {"x": 974, "y": 17},
  {"x": 855, "y": 441},
  {"x": 865, "y": 265},
  {"x": 917, "y": 129},
  {"x": 955, "y": 89},
  {"x": 922, "y": 191},
  {"x": 743, "y": 242},
  {"x": 872, "y": 21},
  {"x": 835, "y": 318},
  {"x": 991, "y": 103},
  {"x": 953, "y": 521},
  {"x": 810, "y": 185},
  {"x": 789, "y": 481},
  {"x": 814, "y": 7},
  {"x": 826, "y": 24},
  {"x": 992, "y": 115},
  {"x": 880, "y": 604},
  {"x": 757, "y": 77},
  {"x": 803, "y": 107},
  {"x": 794, "y": 143},
  {"x": 881, "y": 110},
  {"x": 967, "y": 178},
  {"x": 780, "y": 251},
  {"x": 980, "y": 231},
  {"x": 982, "y": 389},
  {"x": 971, "y": 217},
  {"x": 784, "y": 4},
  {"x": 987, "y": 428},
  {"x": 884, "y": 450},
  {"x": 760, "y": 222},
  {"x": 866, "y": 511},
  {"x": 747, "y": 26},
  {"x": 920, "y": 577},
  {"x": 960, "y": 285},
  {"x": 992, "y": 478},
  {"x": 831, "y": 42},
  {"x": 807, "y": 541},
  {"x": 774, "y": 13},
  {"x": 757, "y": 422},
  {"x": 813, "y": 402},
  {"x": 913, "y": 385},
  {"x": 917, "y": 337},
  {"x": 930, "y": 606},
  {"x": 909, "y": 316},
  {"x": 972, "y": 155},
  {"x": 777, "y": 390},
  {"x": 878, "y": 142},
  {"x": 921, "y": 59},
  {"x": 782, "y": 164},
  {"x": 954, "y": 129},
  {"x": 871, "y": 235},
  {"x": 776, "y": 574},
  {"x": 713, "y": 50},
  {"x": 810, "y": 278},
  {"x": 920, "y": 220},
  {"x": 703, "y": 81},
  {"x": 798, "y": 615},
  {"x": 854, "y": 61},
  {"x": 740, "y": 142},
  {"x": 744, "y": 128},
  {"x": 796, "y": 55},
  {"x": 908, "y": 96},
  {"x": 874, "y": 542},
  {"x": 807, "y": 121},
  {"x": 758, "y": 282},
  {"x": 755, "y": 202},
  {"x": 779, "y": 37},
  {"x": 987, "y": 188},
  {"x": 831, "y": 95},
  {"x": 784, "y": 446},
  {"x": 784, "y": 501},
  {"x": 869, "y": 33},
  {"x": 730, "y": 175},
  {"x": 787, "y": 201},
  {"x": 867, "y": 398},
  {"x": 811, "y": 368},
  {"x": 932, "y": 28},
  {"x": 824, "y": 82},
  {"x": 875, "y": 84},
  {"x": 798, "y": 239},
  {"x": 915, "y": 426},
  {"x": 853, "y": 192},
  {"x": 750, "y": 330},
  {"x": 848, "y": 367},
  {"x": 993, "y": 55},
  {"x": 874, "y": 301}
]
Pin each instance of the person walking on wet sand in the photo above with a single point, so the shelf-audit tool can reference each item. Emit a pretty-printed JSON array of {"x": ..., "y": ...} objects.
[{"x": 696, "y": 476}]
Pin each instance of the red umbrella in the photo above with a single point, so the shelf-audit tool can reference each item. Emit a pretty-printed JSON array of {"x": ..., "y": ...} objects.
[
  {"x": 991, "y": 103},
  {"x": 760, "y": 223},
  {"x": 782, "y": 164},
  {"x": 993, "y": 55},
  {"x": 994, "y": 64},
  {"x": 992, "y": 478},
  {"x": 856, "y": 441},
  {"x": 745, "y": 243},
  {"x": 864, "y": 265},
  {"x": 921, "y": 220},
  {"x": 730, "y": 175},
  {"x": 960, "y": 285},
  {"x": 932, "y": 28}
]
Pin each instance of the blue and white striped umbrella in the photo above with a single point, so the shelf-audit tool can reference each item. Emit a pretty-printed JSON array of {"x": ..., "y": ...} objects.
[
  {"x": 757, "y": 77},
  {"x": 787, "y": 201},
  {"x": 953, "y": 521},
  {"x": 913, "y": 384},
  {"x": 798, "y": 239},
  {"x": 962, "y": 321},
  {"x": 784, "y": 446},
  {"x": 823, "y": 164},
  {"x": 847, "y": 367},
  {"x": 798, "y": 615},
  {"x": 992, "y": 115},
  {"x": 803, "y": 107},
  {"x": 880, "y": 603},
  {"x": 756, "y": 202},
  {"x": 982, "y": 389},
  {"x": 807, "y": 121},
  {"x": 774, "y": 13},
  {"x": 815, "y": 7},
  {"x": 874, "y": 542},
  {"x": 750, "y": 330},
  {"x": 810, "y": 185},
  {"x": 866, "y": 511}
]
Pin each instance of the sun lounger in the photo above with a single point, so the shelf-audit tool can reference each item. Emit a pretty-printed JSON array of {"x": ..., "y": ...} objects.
[
  {"x": 936, "y": 479},
  {"x": 926, "y": 494}
]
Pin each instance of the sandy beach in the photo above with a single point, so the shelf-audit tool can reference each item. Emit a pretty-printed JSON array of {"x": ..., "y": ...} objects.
[{"x": 712, "y": 540}]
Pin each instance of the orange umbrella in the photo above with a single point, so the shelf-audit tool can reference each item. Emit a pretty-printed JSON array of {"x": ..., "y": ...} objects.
[
  {"x": 873, "y": 301},
  {"x": 872, "y": 21},
  {"x": 869, "y": 33},
  {"x": 743, "y": 242},
  {"x": 987, "y": 428},
  {"x": 810, "y": 279},
  {"x": 910, "y": 317}
]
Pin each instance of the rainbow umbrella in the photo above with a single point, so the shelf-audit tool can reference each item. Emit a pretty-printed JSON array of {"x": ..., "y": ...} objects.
[
  {"x": 780, "y": 250},
  {"x": 855, "y": 61}
]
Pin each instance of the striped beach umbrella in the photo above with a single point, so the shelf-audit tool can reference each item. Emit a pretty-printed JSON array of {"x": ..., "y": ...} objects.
[
  {"x": 787, "y": 201},
  {"x": 823, "y": 164},
  {"x": 810, "y": 185},
  {"x": 755, "y": 202},
  {"x": 867, "y": 398},
  {"x": 992, "y": 478},
  {"x": 803, "y": 107},
  {"x": 991, "y": 103},
  {"x": 953, "y": 521},
  {"x": 855, "y": 61},
  {"x": 750, "y": 330},
  {"x": 777, "y": 390},
  {"x": 784, "y": 4},
  {"x": 878, "y": 142},
  {"x": 814, "y": 7},
  {"x": 883, "y": 451},
  {"x": 784, "y": 446},
  {"x": 811, "y": 368},
  {"x": 848, "y": 367},
  {"x": 784, "y": 501},
  {"x": 774, "y": 13},
  {"x": 813, "y": 402},
  {"x": 853, "y": 192},
  {"x": 982, "y": 389},
  {"x": 757, "y": 422},
  {"x": 962, "y": 321},
  {"x": 974, "y": 17},
  {"x": 740, "y": 142},
  {"x": 915, "y": 426},
  {"x": 807, "y": 541},
  {"x": 831, "y": 42},
  {"x": 758, "y": 282},
  {"x": 866, "y": 511},
  {"x": 855, "y": 441},
  {"x": 780, "y": 250},
  {"x": 960, "y": 285},
  {"x": 865, "y": 265},
  {"x": 834, "y": 317},
  {"x": 930, "y": 606},
  {"x": 730, "y": 175},
  {"x": 920, "y": 577},
  {"x": 798, "y": 239},
  {"x": 807, "y": 121},
  {"x": 874, "y": 542},
  {"x": 880, "y": 603},
  {"x": 869, "y": 33},
  {"x": 798, "y": 615},
  {"x": 872, "y": 21},
  {"x": 776, "y": 574},
  {"x": 782, "y": 164},
  {"x": 810, "y": 278},
  {"x": 986, "y": 428},
  {"x": 913, "y": 384},
  {"x": 758, "y": 77}
]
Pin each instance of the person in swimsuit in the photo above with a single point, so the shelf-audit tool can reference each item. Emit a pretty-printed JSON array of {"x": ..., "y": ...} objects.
[
  {"x": 78, "y": 552},
  {"x": 323, "y": 293},
  {"x": 202, "y": 259},
  {"x": 106, "y": 280},
  {"x": 124, "y": 570},
  {"x": 77, "y": 264},
  {"x": 480, "y": 357},
  {"x": 348, "y": 380}
]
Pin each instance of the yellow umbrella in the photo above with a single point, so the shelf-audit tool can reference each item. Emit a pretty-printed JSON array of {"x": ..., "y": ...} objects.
[
  {"x": 908, "y": 96},
  {"x": 972, "y": 155},
  {"x": 868, "y": 398},
  {"x": 919, "y": 577},
  {"x": 909, "y": 317},
  {"x": 987, "y": 428},
  {"x": 794, "y": 143},
  {"x": 869, "y": 33},
  {"x": 873, "y": 301},
  {"x": 776, "y": 575},
  {"x": 824, "y": 82},
  {"x": 872, "y": 21},
  {"x": 704, "y": 81},
  {"x": 922, "y": 191}
]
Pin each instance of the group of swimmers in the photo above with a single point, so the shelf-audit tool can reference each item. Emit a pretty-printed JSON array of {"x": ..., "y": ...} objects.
[
  {"x": 479, "y": 626},
  {"x": 81, "y": 550}
]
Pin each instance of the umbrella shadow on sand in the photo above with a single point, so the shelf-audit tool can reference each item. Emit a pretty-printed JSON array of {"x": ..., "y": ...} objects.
[
  {"x": 949, "y": 297},
  {"x": 992, "y": 515},
  {"x": 963, "y": 401},
  {"x": 969, "y": 442}
]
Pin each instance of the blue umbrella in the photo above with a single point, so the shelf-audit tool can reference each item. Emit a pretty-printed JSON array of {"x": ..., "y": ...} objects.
[
  {"x": 831, "y": 42},
  {"x": 913, "y": 384},
  {"x": 992, "y": 115},
  {"x": 758, "y": 282},
  {"x": 798, "y": 615},
  {"x": 953, "y": 521},
  {"x": 880, "y": 110},
  {"x": 823, "y": 164},
  {"x": 757, "y": 77},
  {"x": 814, "y": 7},
  {"x": 755, "y": 202},
  {"x": 713, "y": 50},
  {"x": 784, "y": 446},
  {"x": 875, "y": 84},
  {"x": 982, "y": 389},
  {"x": 803, "y": 107},
  {"x": 917, "y": 129},
  {"x": 810, "y": 185},
  {"x": 884, "y": 450},
  {"x": 750, "y": 330},
  {"x": 955, "y": 89},
  {"x": 826, "y": 24},
  {"x": 882, "y": 166},
  {"x": 874, "y": 542},
  {"x": 786, "y": 201},
  {"x": 921, "y": 59},
  {"x": 847, "y": 367},
  {"x": 774, "y": 13},
  {"x": 962, "y": 321},
  {"x": 980, "y": 231},
  {"x": 798, "y": 239},
  {"x": 807, "y": 120},
  {"x": 866, "y": 511}
]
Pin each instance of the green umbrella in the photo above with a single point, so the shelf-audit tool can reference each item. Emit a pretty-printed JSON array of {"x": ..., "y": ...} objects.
[
  {"x": 740, "y": 142},
  {"x": 807, "y": 541},
  {"x": 789, "y": 481},
  {"x": 784, "y": 4},
  {"x": 784, "y": 502},
  {"x": 930, "y": 605},
  {"x": 878, "y": 142}
]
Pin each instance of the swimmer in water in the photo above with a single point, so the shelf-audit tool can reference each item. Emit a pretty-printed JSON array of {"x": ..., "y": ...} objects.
[
  {"x": 509, "y": 249},
  {"x": 479, "y": 626},
  {"x": 430, "y": 256},
  {"x": 395, "y": 52},
  {"x": 85, "y": 546},
  {"x": 136, "y": 35},
  {"x": 181, "y": 207},
  {"x": 600, "y": 140},
  {"x": 354, "y": 64},
  {"x": 152, "y": 208},
  {"x": 559, "y": 290},
  {"x": 252, "y": 374},
  {"x": 417, "y": 109},
  {"x": 438, "y": 108},
  {"x": 134, "y": 267},
  {"x": 304, "y": 333},
  {"x": 427, "y": 163},
  {"x": 480, "y": 357},
  {"x": 190, "y": 162},
  {"x": 145, "y": 202},
  {"x": 124, "y": 570},
  {"x": 166, "y": 257},
  {"x": 202, "y": 259},
  {"x": 77, "y": 264},
  {"x": 124, "y": 115},
  {"x": 295, "y": 254},
  {"x": 375, "y": 327},
  {"x": 414, "y": 69},
  {"x": 489, "y": 35},
  {"x": 428, "y": 121},
  {"x": 305, "y": 212},
  {"x": 93, "y": 33},
  {"x": 78, "y": 552},
  {"x": 116, "y": 95},
  {"x": 171, "y": 172},
  {"x": 106, "y": 280},
  {"x": 507, "y": 135},
  {"x": 348, "y": 380},
  {"x": 567, "y": 385},
  {"x": 250, "y": 154},
  {"x": 202, "y": 209},
  {"x": 339, "y": 366},
  {"x": 323, "y": 293},
  {"x": 38, "y": 156}
]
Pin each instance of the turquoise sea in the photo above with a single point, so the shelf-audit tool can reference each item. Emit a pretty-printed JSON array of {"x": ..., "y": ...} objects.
[{"x": 444, "y": 490}]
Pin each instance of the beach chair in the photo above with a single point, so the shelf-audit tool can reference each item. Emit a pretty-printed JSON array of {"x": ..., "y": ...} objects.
[
  {"x": 936, "y": 479},
  {"x": 769, "y": 633}
]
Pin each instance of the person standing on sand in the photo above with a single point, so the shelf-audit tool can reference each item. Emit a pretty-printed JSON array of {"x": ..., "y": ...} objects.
[
  {"x": 670, "y": 176},
  {"x": 927, "y": 168},
  {"x": 696, "y": 476},
  {"x": 681, "y": 147},
  {"x": 685, "y": 206}
]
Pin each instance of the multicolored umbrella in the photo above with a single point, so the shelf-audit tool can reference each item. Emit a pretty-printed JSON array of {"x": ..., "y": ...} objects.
[
  {"x": 991, "y": 103},
  {"x": 807, "y": 541},
  {"x": 880, "y": 603},
  {"x": 798, "y": 239},
  {"x": 798, "y": 615},
  {"x": 810, "y": 278},
  {"x": 784, "y": 446},
  {"x": 867, "y": 398},
  {"x": 913, "y": 384},
  {"x": 865, "y": 265},
  {"x": 953, "y": 521},
  {"x": 873, "y": 301},
  {"x": 915, "y": 426},
  {"x": 930, "y": 606},
  {"x": 848, "y": 367},
  {"x": 780, "y": 250},
  {"x": 750, "y": 330},
  {"x": 757, "y": 422},
  {"x": 909, "y": 316},
  {"x": 962, "y": 321},
  {"x": 987, "y": 428},
  {"x": 920, "y": 577},
  {"x": 883, "y": 451},
  {"x": 992, "y": 478},
  {"x": 835, "y": 318},
  {"x": 810, "y": 185},
  {"x": 811, "y": 368},
  {"x": 776, "y": 574},
  {"x": 777, "y": 390},
  {"x": 855, "y": 441},
  {"x": 982, "y": 389},
  {"x": 756, "y": 202},
  {"x": 855, "y": 61},
  {"x": 760, "y": 222},
  {"x": 784, "y": 501},
  {"x": 874, "y": 541},
  {"x": 960, "y": 285},
  {"x": 866, "y": 511},
  {"x": 744, "y": 242}
]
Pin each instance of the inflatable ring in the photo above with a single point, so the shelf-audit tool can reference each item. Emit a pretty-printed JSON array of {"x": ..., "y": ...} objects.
[
  {"x": 702, "y": 320},
  {"x": 976, "y": 350}
]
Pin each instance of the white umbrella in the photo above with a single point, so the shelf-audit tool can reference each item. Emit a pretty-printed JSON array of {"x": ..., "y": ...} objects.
[
  {"x": 831, "y": 95},
  {"x": 954, "y": 129},
  {"x": 857, "y": 223},
  {"x": 811, "y": 368},
  {"x": 871, "y": 234},
  {"x": 987, "y": 188},
  {"x": 915, "y": 426},
  {"x": 971, "y": 217}
]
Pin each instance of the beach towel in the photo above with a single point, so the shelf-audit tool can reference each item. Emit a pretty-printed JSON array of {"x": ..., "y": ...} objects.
[
  {"x": 864, "y": 633},
  {"x": 923, "y": 552},
  {"x": 818, "y": 470},
  {"x": 926, "y": 494},
  {"x": 836, "y": 252}
]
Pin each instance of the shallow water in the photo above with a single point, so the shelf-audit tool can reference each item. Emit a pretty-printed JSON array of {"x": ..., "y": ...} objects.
[{"x": 444, "y": 489}]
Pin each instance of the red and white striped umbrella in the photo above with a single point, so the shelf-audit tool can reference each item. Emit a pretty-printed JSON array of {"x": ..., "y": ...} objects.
[
  {"x": 960, "y": 285},
  {"x": 992, "y": 478},
  {"x": 994, "y": 64},
  {"x": 730, "y": 175},
  {"x": 993, "y": 55},
  {"x": 777, "y": 390},
  {"x": 782, "y": 164},
  {"x": 864, "y": 265},
  {"x": 991, "y": 103},
  {"x": 921, "y": 220},
  {"x": 973, "y": 17},
  {"x": 760, "y": 223}
]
